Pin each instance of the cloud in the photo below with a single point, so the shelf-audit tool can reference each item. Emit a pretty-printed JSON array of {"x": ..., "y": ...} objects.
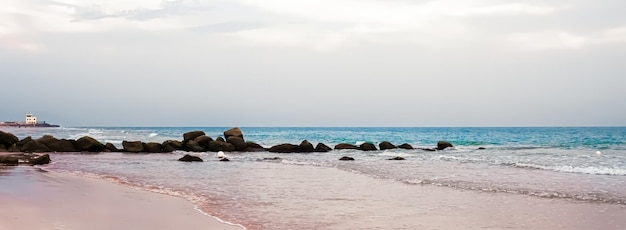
[{"x": 549, "y": 40}]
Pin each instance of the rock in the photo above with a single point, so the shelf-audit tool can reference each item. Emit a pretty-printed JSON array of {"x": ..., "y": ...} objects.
[
  {"x": 7, "y": 139},
  {"x": 215, "y": 146},
  {"x": 47, "y": 140},
  {"x": 194, "y": 146},
  {"x": 152, "y": 147},
  {"x": 132, "y": 146},
  {"x": 110, "y": 147},
  {"x": 203, "y": 140},
  {"x": 3, "y": 148},
  {"x": 284, "y": 148},
  {"x": 234, "y": 132},
  {"x": 13, "y": 148},
  {"x": 346, "y": 146},
  {"x": 9, "y": 160},
  {"x": 171, "y": 146},
  {"x": 188, "y": 136},
  {"x": 441, "y": 145},
  {"x": 367, "y": 147},
  {"x": 40, "y": 160},
  {"x": 253, "y": 147},
  {"x": 344, "y": 158},
  {"x": 89, "y": 144},
  {"x": 272, "y": 158},
  {"x": 306, "y": 147},
  {"x": 34, "y": 147},
  {"x": 481, "y": 148},
  {"x": 321, "y": 147},
  {"x": 220, "y": 139},
  {"x": 396, "y": 159},
  {"x": 189, "y": 158},
  {"x": 386, "y": 145},
  {"x": 405, "y": 146},
  {"x": 62, "y": 145},
  {"x": 22, "y": 142},
  {"x": 429, "y": 150},
  {"x": 238, "y": 142},
  {"x": 224, "y": 159}
]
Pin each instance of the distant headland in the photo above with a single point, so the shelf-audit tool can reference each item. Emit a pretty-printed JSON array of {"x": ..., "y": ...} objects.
[{"x": 31, "y": 121}]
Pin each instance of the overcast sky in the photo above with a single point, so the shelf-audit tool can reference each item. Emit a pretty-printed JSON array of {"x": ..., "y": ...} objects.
[{"x": 314, "y": 62}]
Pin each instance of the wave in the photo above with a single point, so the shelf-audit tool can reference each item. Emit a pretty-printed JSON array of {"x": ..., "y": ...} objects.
[
  {"x": 153, "y": 134},
  {"x": 571, "y": 169},
  {"x": 464, "y": 185}
]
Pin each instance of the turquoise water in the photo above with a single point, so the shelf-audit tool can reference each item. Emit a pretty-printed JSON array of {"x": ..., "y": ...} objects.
[{"x": 573, "y": 164}]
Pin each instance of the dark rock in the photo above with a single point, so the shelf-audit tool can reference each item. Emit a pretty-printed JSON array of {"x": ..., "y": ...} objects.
[
  {"x": 189, "y": 158},
  {"x": 284, "y": 148},
  {"x": 22, "y": 142},
  {"x": 9, "y": 160},
  {"x": 89, "y": 144},
  {"x": 33, "y": 146},
  {"x": 441, "y": 145},
  {"x": 224, "y": 159},
  {"x": 220, "y": 139},
  {"x": 321, "y": 147},
  {"x": 62, "y": 145},
  {"x": 344, "y": 158},
  {"x": 7, "y": 139},
  {"x": 405, "y": 146},
  {"x": 194, "y": 146},
  {"x": 239, "y": 144},
  {"x": 215, "y": 146},
  {"x": 171, "y": 146},
  {"x": 234, "y": 132},
  {"x": 396, "y": 159},
  {"x": 3, "y": 148},
  {"x": 203, "y": 140},
  {"x": 152, "y": 147},
  {"x": 368, "y": 147},
  {"x": 253, "y": 147},
  {"x": 110, "y": 147},
  {"x": 13, "y": 148},
  {"x": 272, "y": 158},
  {"x": 386, "y": 145},
  {"x": 188, "y": 136},
  {"x": 47, "y": 140},
  {"x": 40, "y": 160},
  {"x": 429, "y": 150},
  {"x": 305, "y": 147},
  {"x": 132, "y": 146},
  {"x": 346, "y": 146},
  {"x": 481, "y": 148}
]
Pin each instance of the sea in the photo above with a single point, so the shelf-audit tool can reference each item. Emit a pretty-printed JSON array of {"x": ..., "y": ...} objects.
[{"x": 502, "y": 169}]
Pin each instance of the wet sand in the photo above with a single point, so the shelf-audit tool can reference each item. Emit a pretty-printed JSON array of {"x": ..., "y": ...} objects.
[{"x": 31, "y": 198}]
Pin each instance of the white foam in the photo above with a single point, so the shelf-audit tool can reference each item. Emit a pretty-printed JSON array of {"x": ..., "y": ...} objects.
[
  {"x": 153, "y": 134},
  {"x": 589, "y": 170}
]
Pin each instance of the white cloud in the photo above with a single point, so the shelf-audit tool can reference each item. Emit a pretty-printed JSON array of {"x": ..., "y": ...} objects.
[{"x": 548, "y": 40}]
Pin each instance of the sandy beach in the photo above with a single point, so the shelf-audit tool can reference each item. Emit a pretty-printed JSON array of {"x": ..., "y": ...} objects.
[{"x": 31, "y": 198}]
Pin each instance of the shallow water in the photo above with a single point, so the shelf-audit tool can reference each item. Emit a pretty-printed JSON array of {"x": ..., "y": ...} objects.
[{"x": 523, "y": 176}]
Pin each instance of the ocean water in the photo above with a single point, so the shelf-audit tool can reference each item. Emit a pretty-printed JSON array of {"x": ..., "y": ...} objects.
[{"x": 574, "y": 165}]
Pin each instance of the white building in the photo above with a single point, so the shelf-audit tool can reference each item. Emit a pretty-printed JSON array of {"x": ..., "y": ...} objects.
[{"x": 30, "y": 119}]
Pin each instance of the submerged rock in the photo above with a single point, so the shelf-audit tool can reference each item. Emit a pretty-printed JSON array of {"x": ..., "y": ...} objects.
[
  {"x": 396, "y": 159},
  {"x": 345, "y": 158},
  {"x": 9, "y": 160},
  {"x": 284, "y": 148},
  {"x": 190, "y": 158},
  {"x": 224, "y": 159},
  {"x": 441, "y": 145},
  {"x": 40, "y": 160}
]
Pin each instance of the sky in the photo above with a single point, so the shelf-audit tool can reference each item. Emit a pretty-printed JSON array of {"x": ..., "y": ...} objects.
[{"x": 314, "y": 62}]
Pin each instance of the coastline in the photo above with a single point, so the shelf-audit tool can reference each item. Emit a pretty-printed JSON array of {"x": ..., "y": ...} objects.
[{"x": 32, "y": 198}]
